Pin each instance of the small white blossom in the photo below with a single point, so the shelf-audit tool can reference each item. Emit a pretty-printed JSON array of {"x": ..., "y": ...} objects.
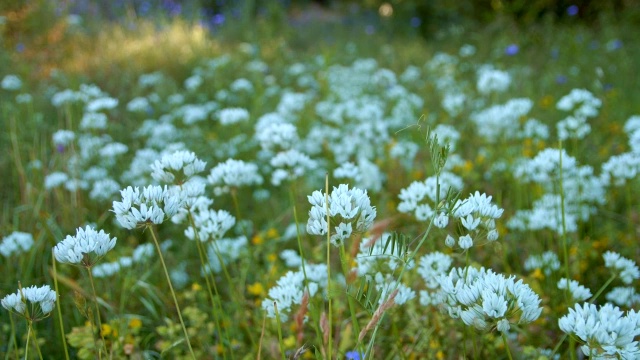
[{"x": 85, "y": 248}]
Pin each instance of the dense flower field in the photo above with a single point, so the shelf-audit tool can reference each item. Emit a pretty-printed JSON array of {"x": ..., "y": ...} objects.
[{"x": 468, "y": 202}]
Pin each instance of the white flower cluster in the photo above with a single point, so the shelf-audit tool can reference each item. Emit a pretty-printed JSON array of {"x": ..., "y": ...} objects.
[
  {"x": 11, "y": 83},
  {"x": 583, "y": 105},
  {"x": 233, "y": 174},
  {"x": 230, "y": 116},
  {"x": 17, "y": 242},
  {"x": 548, "y": 262},
  {"x": 350, "y": 211},
  {"x": 290, "y": 165},
  {"x": 420, "y": 197},
  {"x": 605, "y": 332},
  {"x": 620, "y": 169},
  {"x": 151, "y": 205},
  {"x": 582, "y": 190},
  {"x": 210, "y": 224},
  {"x": 477, "y": 215},
  {"x": 41, "y": 301},
  {"x": 386, "y": 285},
  {"x": 623, "y": 296},
  {"x": 577, "y": 291},
  {"x": 290, "y": 288},
  {"x": 625, "y": 268},
  {"x": 277, "y": 136},
  {"x": 581, "y": 102},
  {"x": 430, "y": 268},
  {"x": 484, "y": 299},
  {"x": 177, "y": 167},
  {"x": 78, "y": 249},
  {"x": 492, "y": 80},
  {"x": 502, "y": 121}
]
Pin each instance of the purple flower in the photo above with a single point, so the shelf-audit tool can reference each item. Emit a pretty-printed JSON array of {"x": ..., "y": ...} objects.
[
  {"x": 561, "y": 79},
  {"x": 572, "y": 10},
  {"x": 217, "y": 19},
  {"x": 60, "y": 148},
  {"x": 415, "y": 22},
  {"x": 511, "y": 50},
  {"x": 353, "y": 355}
]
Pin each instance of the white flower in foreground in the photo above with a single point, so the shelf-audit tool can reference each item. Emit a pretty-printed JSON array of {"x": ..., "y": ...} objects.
[
  {"x": 152, "y": 205},
  {"x": 41, "y": 301},
  {"x": 233, "y": 174},
  {"x": 625, "y": 268},
  {"x": 605, "y": 332},
  {"x": 484, "y": 299},
  {"x": 177, "y": 167},
  {"x": 85, "y": 248},
  {"x": 350, "y": 211}
]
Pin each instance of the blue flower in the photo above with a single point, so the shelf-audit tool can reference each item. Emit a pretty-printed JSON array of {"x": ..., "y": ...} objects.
[
  {"x": 572, "y": 10},
  {"x": 353, "y": 355},
  {"x": 512, "y": 50}
]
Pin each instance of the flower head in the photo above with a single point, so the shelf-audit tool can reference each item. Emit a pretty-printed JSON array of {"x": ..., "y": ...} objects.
[
  {"x": 41, "y": 301},
  {"x": 150, "y": 206},
  {"x": 349, "y": 209},
  {"x": 85, "y": 248},
  {"x": 177, "y": 167}
]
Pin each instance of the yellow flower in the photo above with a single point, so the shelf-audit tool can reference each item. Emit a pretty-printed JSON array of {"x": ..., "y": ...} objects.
[
  {"x": 107, "y": 330},
  {"x": 257, "y": 239},
  {"x": 272, "y": 233},
  {"x": 256, "y": 289},
  {"x": 196, "y": 287},
  {"x": 546, "y": 101},
  {"x": 537, "y": 274},
  {"x": 290, "y": 341},
  {"x": 272, "y": 257},
  {"x": 135, "y": 323}
]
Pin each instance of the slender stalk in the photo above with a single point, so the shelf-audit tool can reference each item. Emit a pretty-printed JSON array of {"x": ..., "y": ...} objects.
[
  {"x": 234, "y": 197},
  {"x": 329, "y": 320},
  {"x": 61, "y": 323},
  {"x": 214, "y": 304},
  {"x": 572, "y": 342},
  {"x": 26, "y": 347},
  {"x": 606, "y": 284},
  {"x": 173, "y": 293},
  {"x": 95, "y": 301},
  {"x": 35, "y": 340},
  {"x": 13, "y": 337},
  {"x": 280, "y": 341},
  {"x": 352, "y": 310},
  {"x": 506, "y": 346},
  {"x": 295, "y": 219}
]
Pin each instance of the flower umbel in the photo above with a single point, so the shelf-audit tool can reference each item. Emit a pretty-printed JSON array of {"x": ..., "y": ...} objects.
[
  {"x": 350, "y": 211},
  {"x": 41, "y": 301},
  {"x": 85, "y": 248}
]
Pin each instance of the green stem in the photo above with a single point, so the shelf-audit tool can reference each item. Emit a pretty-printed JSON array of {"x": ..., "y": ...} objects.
[
  {"x": 352, "y": 310},
  {"x": 506, "y": 346},
  {"x": 26, "y": 347},
  {"x": 234, "y": 197},
  {"x": 329, "y": 320},
  {"x": 565, "y": 246},
  {"x": 13, "y": 338},
  {"x": 173, "y": 293},
  {"x": 606, "y": 284},
  {"x": 35, "y": 340},
  {"x": 214, "y": 304},
  {"x": 95, "y": 301},
  {"x": 280, "y": 341},
  {"x": 60, "y": 321}
]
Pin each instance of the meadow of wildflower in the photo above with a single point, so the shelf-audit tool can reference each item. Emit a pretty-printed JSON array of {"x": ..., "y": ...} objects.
[{"x": 317, "y": 183}]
